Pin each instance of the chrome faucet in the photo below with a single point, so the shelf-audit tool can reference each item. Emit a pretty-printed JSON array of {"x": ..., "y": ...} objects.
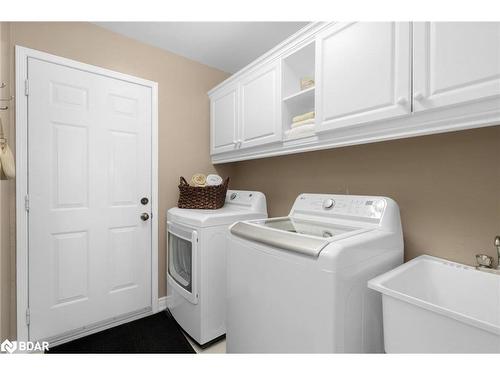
[
  {"x": 497, "y": 245},
  {"x": 485, "y": 262}
]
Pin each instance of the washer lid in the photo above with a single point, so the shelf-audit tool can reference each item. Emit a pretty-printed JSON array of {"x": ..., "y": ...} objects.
[
  {"x": 307, "y": 227},
  {"x": 303, "y": 236}
]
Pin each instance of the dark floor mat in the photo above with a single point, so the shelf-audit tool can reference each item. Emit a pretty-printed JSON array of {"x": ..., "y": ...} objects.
[{"x": 157, "y": 333}]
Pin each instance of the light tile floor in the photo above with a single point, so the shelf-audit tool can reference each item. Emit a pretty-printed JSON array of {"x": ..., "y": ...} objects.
[{"x": 218, "y": 348}]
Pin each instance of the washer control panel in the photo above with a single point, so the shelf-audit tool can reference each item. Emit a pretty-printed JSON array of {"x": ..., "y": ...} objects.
[
  {"x": 328, "y": 203},
  {"x": 345, "y": 205}
]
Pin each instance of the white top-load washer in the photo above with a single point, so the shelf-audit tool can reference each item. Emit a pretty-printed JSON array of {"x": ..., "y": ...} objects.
[
  {"x": 196, "y": 273},
  {"x": 298, "y": 284}
]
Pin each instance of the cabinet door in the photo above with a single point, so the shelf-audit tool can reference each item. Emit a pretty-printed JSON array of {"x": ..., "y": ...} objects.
[
  {"x": 223, "y": 120},
  {"x": 260, "y": 107},
  {"x": 455, "y": 62},
  {"x": 363, "y": 73}
]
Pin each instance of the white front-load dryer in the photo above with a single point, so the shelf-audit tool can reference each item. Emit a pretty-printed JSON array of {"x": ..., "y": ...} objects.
[
  {"x": 196, "y": 270},
  {"x": 298, "y": 284}
]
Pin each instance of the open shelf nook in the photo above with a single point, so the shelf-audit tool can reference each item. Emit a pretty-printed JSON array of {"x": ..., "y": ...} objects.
[{"x": 298, "y": 91}]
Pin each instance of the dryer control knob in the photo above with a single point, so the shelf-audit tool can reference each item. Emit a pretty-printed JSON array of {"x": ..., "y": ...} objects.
[{"x": 328, "y": 203}]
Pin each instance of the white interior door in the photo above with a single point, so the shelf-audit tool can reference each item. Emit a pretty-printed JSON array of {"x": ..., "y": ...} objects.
[
  {"x": 89, "y": 165},
  {"x": 455, "y": 63}
]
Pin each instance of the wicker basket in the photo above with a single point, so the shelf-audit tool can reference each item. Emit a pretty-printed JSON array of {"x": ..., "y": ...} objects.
[{"x": 206, "y": 197}]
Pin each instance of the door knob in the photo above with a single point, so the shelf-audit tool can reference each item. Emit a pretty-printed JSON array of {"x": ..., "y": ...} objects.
[{"x": 144, "y": 216}]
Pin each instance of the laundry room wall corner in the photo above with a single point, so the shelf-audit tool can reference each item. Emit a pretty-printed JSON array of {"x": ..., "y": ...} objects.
[{"x": 7, "y": 197}]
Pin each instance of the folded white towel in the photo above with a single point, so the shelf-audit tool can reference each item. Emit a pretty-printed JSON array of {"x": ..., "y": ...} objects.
[
  {"x": 306, "y": 82},
  {"x": 302, "y": 123},
  {"x": 214, "y": 180},
  {"x": 299, "y": 131},
  {"x": 306, "y": 85},
  {"x": 304, "y": 116}
]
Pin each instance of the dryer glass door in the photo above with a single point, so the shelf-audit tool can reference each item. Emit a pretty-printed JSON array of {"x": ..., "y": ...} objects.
[
  {"x": 182, "y": 245},
  {"x": 181, "y": 256}
]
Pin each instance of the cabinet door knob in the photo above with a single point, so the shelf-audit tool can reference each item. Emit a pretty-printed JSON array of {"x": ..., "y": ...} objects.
[
  {"x": 418, "y": 96},
  {"x": 402, "y": 101}
]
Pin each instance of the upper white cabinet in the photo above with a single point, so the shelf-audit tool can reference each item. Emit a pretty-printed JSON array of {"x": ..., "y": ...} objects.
[
  {"x": 260, "y": 110},
  {"x": 224, "y": 120},
  {"x": 358, "y": 82},
  {"x": 455, "y": 63},
  {"x": 363, "y": 73},
  {"x": 247, "y": 113}
]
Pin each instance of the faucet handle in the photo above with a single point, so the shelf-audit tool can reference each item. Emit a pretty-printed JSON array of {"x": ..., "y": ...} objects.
[{"x": 484, "y": 261}]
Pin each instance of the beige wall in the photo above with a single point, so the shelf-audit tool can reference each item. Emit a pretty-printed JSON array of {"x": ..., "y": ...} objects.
[
  {"x": 183, "y": 111},
  {"x": 447, "y": 186}
]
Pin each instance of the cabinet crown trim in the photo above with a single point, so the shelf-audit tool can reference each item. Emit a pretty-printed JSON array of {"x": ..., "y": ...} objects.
[{"x": 308, "y": 31}]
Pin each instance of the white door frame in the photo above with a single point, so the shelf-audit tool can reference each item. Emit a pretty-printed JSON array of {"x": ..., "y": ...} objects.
[{"x": 22, "y": 55}]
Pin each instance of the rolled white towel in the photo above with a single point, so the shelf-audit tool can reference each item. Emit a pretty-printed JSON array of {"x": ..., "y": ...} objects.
[{"x": 214, "y": 180}]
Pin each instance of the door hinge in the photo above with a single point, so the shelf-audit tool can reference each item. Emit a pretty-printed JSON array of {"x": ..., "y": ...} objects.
[
  {"x": 27, "y": 203},
  {"x": 27, "y": 316},
  {"x": 26, "y": 87}
]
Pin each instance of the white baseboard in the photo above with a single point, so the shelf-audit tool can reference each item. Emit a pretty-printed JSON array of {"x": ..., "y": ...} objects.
[
  {"x": 163, "y": 303},
  {"x": 98, "y": 328}
]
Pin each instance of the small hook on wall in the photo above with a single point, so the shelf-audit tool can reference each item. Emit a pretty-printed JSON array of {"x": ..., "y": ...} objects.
[{"x": 4, "y": 108}]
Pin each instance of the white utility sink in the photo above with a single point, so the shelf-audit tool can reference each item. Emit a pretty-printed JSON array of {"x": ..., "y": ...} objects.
[{"x": 432, "y": 305}]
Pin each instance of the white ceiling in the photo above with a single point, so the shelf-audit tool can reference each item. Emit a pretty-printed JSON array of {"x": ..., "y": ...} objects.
[{"x": 227, "y": 46}]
